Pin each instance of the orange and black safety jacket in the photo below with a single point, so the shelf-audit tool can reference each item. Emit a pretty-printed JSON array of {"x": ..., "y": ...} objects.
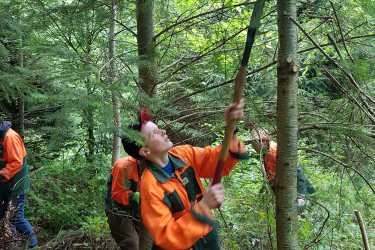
[
  {"x": 169, "y": 204},
  {"x": 269, "y": 159},
  {"x": 13, "y": 166},
  {"x": 121, "y": 185}
]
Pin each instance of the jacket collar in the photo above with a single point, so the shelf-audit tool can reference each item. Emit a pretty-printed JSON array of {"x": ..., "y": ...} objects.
[{"x": 158, "y": 172}]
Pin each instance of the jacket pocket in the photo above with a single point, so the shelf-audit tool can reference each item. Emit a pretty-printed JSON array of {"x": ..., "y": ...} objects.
[{"x": 173, "y": 201}]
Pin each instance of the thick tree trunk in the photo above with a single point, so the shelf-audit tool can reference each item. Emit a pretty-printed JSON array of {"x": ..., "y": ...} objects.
[
  {"x": 116, "y": 142},
  {"x": 146, "y": 70},
  {"x": 287, "y": 127},
  {"x": 145, "y": 35}
]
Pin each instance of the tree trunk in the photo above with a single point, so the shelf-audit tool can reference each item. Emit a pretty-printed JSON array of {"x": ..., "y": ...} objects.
[
  {"x": 88, "y": 119},
  {"x": 146, "y": 50},
  {"x": 21, "y": 115},
  {"x": 90, "y": 140},
  {"x": 116, "y": 142},
  {"x": 146, "y": 71},
  {"x": 287, "y": 127},
  {"x": 21, "y": 102},
  {"x": 18, "y": 116}
]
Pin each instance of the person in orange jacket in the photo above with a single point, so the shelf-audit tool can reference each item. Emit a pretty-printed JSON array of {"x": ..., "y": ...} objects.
[
  {"x": 122, "y": 206},
  {"x": 14, "y": 180},
  {"x": 268, "y": 149},
  {"x": 175, "y": 208}
]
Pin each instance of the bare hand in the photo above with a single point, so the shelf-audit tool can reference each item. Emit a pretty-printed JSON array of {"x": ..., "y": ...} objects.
[
  {"x": 234, "y": 112},
  {"x": 213, "y": 197}
]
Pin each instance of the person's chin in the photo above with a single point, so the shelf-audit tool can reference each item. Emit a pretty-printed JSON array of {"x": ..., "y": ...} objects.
[{"x": 166, "y": 147}]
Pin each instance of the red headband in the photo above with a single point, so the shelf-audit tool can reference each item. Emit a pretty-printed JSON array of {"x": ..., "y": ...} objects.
[{"x": 144, "y": 115}]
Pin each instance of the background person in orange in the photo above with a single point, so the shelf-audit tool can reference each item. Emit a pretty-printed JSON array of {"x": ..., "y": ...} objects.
[
  {"x": 268, "y": 150},
  {"x": 14, "y": 180},
  {"x": 122, "y": 206},
  {"x": 175, "y": 207}
]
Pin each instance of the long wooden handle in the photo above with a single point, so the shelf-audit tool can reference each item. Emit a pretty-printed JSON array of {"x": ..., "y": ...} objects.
[
  {"x": 239, "y": 86},
  {"x": 229, "y": 129}
]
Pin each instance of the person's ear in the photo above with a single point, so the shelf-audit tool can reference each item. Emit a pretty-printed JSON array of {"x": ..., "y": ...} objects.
[{"x": 144, "y": 152}]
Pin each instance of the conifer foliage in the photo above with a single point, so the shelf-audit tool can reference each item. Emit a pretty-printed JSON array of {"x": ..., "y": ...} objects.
[{"x": 61, "y": 86}]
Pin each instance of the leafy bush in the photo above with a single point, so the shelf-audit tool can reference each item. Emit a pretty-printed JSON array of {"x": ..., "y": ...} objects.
[{"x": 67, "y": 194}]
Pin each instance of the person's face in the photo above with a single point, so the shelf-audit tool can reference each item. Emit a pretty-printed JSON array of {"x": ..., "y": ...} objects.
[
  {"x": 156, "y": 140},
  {"x": 263, "y": 141}
]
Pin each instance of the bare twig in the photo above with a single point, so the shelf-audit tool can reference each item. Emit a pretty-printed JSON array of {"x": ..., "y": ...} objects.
[
  {"x": 348, "y": 74},
  {"x": 205, "y": 113},
  {"x": 342, "y": 164},
  {"x": 338, "y": 41},
  {"x": 197, "y": 58},
  {"x": 334, "y": 44},
  {"x": 192, "y": 138},
  {"x": 341, "y": 32},
  {"x": 367, "y": 110},
  {"x": 223, "y": 83},
  {"x": 263, "y": 68},
  {"x": 197, "y": 16},
  {"x": 302, "y": 114},
  {"x": 362, "y": 150},
  {"x": 211, "y": 48},
  {"x": 124, "y": 28},
  {"x": 67, "y": 40},
  {"x": 331, "y": 126},
  {"x": 318, "y": 236},
  {"x": 355, "y": 27},
  {"x": 181, "y": 29}
]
